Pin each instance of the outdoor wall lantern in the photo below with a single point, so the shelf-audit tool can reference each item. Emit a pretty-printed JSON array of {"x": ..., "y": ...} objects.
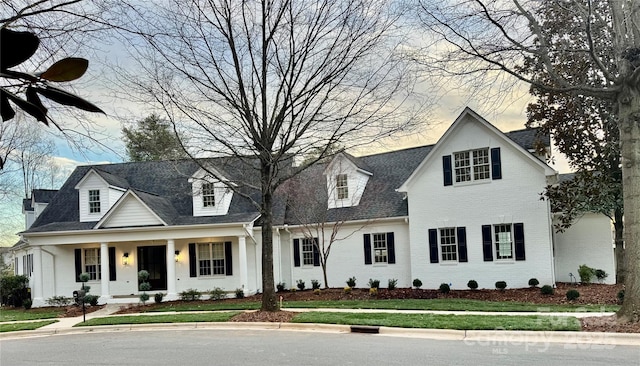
[
  {"x": 177, "y": 256},
  {"x": 125, "y": 259}
]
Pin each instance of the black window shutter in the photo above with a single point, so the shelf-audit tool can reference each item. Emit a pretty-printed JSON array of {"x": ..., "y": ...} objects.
[
  {"x": 296, "y": 252},
  {"x": 228, "y": 259},
  {"x": 367, "y": 248},
  {"x": 487, "y": 243},
  {"x": 446, "y": 170},
  {"x": 112, "y": 264},
  {"x": 462, "y": 244},
  {"x": 518, "y": 233},
  {"x": 391, "y": 249},
  {"x": 316, "y": 252},
  {"x": 78, "y": 254},
  {"x": 433, "y": 245},
  {"x": 193, "y": 265},
  {"x": 496, "y": 167}
]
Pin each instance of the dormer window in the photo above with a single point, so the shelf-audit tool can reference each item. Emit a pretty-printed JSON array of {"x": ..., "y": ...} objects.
[
  {"x": 342, "y": 186},
  {"x": 472, "y": 165},
  {"x": 94, "y": 201},
  {"x": 208, "y": 195}
]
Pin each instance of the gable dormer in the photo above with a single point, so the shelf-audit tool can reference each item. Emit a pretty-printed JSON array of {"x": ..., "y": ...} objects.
[
  {"x": 96, "y": 195},
  {"x": 347, "y": 178},
  {"x": 211, "y": 196}
]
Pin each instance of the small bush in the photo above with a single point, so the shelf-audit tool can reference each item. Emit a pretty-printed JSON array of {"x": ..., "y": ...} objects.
[
  {"x": 586, "y": 273},
  {"x": 217, "y": 294},
  {"x": 59, "y": 301},
  {"x": 417, "y": 283},
  {"x": 572, "y": 295},
  {"x": 472, "y": 284},
  {"x": 444, "y": 288},
  {"x": 601, "y": 275},
  {"x": 293, "y": 289},
  {"x": 84, "y": 277},
  {"x": 143, "y": 275},
  {"x": 281, "y": 286},
  {"x": 316, "y": 291},
  {"x": 347, "y": 290},
  {"x": 620, "y": 296},
  {"x": 391, "y": 285},
  {"x": 239, "y": 293},
  {"x": 351, "y": 282},
  {"x": 533, "y": 282},
  {"x": 374, "y": 283},
  {"x": 547, "y": 290},
  {"x": 143, "y": 297},
  {"x": 93, "y": 299},
  {"x": 158, "y": 297},
  {"x": 315, "y": 284},
  {"x": 300, "y": 284},
  {"x": 27, "y": 304},
  {"x": 190, "y": 295},
  {"x": 144, "y": 286},
  {"x": 501, "y": 285},
  {"x": 13, "y": 289},
  {"x": 373, "y": 291}
]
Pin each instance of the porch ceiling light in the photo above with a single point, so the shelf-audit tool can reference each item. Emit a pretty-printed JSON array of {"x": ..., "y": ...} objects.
[
  {"x": 125, "y": 259},
  {"x": 177, "y": 255}
]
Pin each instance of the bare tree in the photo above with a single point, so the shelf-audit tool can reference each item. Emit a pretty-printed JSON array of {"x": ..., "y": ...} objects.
[
  {"x": 271, "y": 80},
  {"x": 510, "y": 38}
]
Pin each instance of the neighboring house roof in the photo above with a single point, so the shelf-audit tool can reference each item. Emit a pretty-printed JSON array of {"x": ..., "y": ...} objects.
[
  {"x": 43, "y": 195},
  {"x": 26, "y": 205},
  {"x": 530, "y": 138}
]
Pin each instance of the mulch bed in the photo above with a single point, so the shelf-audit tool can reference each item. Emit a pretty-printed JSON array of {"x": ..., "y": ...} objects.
[{"x": 589, "y": 294}]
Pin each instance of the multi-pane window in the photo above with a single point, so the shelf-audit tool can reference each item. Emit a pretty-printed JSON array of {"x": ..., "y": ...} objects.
[
  {"x": 448, "y": 244},
  {"x": 380, "y": 248},
  {"x": 472, "y": 165},
  {"x": 342, "y": 187},
  {"x": 92, "y": 263},
  {"x": 307, "y": 251},
  {"x": 211, "y": 259},
  {"x": 503, "y": 241},
  {"x": 208, "y": 195},
  {"x": 94, "y": 201}
]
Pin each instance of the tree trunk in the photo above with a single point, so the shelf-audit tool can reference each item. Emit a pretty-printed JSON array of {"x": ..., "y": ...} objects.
[
  {"x": 619, "y": 240},
  {"x": 324, "y": 273},
  {"x": 269, "y": 301},
  {"x": 629, "y": 114}
]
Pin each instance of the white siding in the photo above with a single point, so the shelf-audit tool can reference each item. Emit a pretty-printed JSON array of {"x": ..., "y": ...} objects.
[
  {"x": 588, "y": 241},
  {"x": 512, "y": 199},
  {"x": 347, "y": 258},
  {"x": 92, "y": 182},
  {"x": 356, "y": 183},
  {"x": 222, "y": 194},
  {"x": 131, "y": 212}
]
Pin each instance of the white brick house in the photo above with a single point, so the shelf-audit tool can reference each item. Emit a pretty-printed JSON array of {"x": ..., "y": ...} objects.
[{"x": 465, "y": 208}]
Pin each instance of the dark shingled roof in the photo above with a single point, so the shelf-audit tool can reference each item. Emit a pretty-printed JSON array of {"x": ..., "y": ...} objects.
[
  {"x": 529, "y": 138},
  {"x": 38, "y": 196},
  {"x": 164, "y": 187}
]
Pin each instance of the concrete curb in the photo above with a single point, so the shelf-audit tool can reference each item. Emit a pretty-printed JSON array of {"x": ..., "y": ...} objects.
[{"x": 493, "y": 338}]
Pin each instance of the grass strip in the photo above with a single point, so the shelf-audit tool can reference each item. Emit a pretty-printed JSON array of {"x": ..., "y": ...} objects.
[
  {"x": 406, "y": 304},
  {"x": 12, "y": 315},
  {"x": 437, "y": 321},
  {"x": 12, "y": 327},
  {"x": 163, "y": 318}
]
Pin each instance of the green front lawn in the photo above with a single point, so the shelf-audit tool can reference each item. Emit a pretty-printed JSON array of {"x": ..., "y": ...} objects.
[
  {"x": 12, "y": 327},
  {"x": 406, "y": 304},
  {"x": 163, "y": 318},
  {"x": 437, "y": 321},
  {"x": 11, "y": 314}
]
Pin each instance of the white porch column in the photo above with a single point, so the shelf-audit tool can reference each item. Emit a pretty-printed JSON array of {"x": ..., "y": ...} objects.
[
  {"x": 171, "y": 270},
  {"x": 37, "y": 290},
  {"x": 242, "y": 259},
  {"x": 104, "y": 270}
]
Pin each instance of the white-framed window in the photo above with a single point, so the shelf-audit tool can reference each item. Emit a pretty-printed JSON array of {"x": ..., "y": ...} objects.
[
  {"x": 503, "y": 241},
  {"x": 208, "y": 195},
  {"x": 92, "y": 263},
  {"x": 448, "y": 244},
  {"x": 342, "y": 186},
  {"x": 472, "y": 165},
  {"x": 94, "y": 201},
  {"x": 380, "y": 248},
  {"x": 211, "y": 259},
  {"x": 307, "y": 251}
]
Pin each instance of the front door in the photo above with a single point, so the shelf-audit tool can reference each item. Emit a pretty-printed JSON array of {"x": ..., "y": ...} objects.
[{"x": 154, "y": 260}]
